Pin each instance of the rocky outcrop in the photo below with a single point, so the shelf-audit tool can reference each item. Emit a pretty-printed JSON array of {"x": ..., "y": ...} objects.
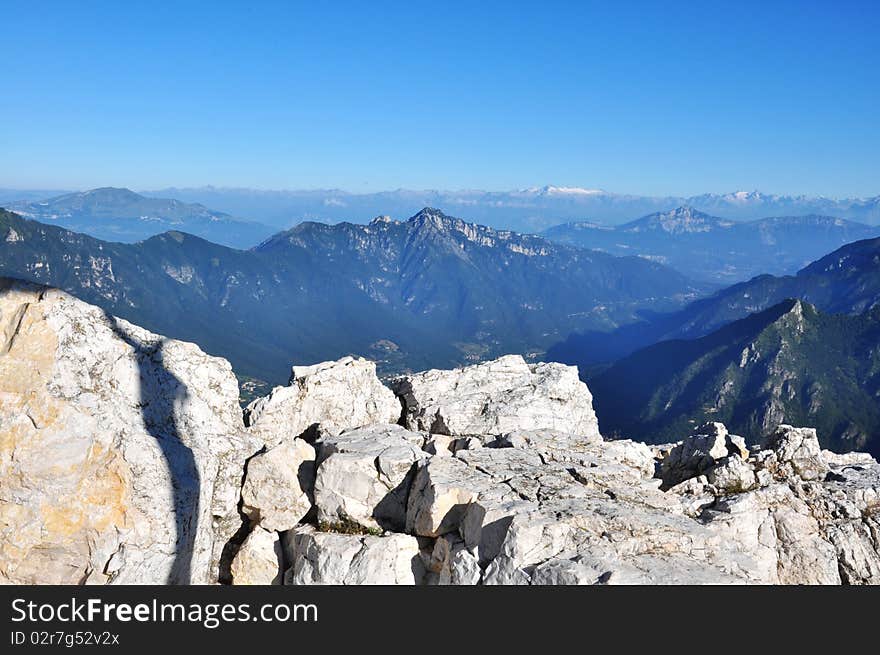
[
  {"x": 335, "y": 395},
  {"x": 121, "y": 452},
  {"x": 124, "y": 458},
  {"x": 796, "y": 451},
  {"x": 364, "y": 476},
  {"x": 497, "y": 397},
  {"x": 804, "y": 519},
  {"x": 545, "y": 507},
  {"x": 710, "y": 444}
]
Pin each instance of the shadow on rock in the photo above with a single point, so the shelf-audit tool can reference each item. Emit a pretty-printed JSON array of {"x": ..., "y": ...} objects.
[{"x": 158, "y": 393}]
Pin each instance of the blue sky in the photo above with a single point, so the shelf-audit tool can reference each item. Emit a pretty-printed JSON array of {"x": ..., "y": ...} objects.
[{"x": 634, "y": 97}]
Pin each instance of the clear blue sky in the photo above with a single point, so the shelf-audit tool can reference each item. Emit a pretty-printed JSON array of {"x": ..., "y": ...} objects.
[{"x": 653, "y": 98}]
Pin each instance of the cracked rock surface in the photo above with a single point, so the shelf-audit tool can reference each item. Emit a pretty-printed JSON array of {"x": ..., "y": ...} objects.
[
  {"x": 496, "y": 397},
  {"x": 124, "y": 457},
  {"x": 335, "y": 395},
  {"x": 121, "y": 452}
]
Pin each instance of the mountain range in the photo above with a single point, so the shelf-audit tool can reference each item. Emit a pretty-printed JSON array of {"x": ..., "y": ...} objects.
[
  {"x": 787, "y": 364},
  {"x": 430, "y": 291},
  {"x": 846, "y": 281},
  {"x": 121, "y": 215},
  {"x": 523, "y": 210},
  {"x": 718, "y": 249},
  {"x": 659, "y": 350},
  {"x": 709, "y": 248}
]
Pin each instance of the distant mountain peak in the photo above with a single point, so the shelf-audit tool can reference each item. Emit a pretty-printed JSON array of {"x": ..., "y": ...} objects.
[
  {"x": 792, "y": 311},
  {"x": 432, "y": 218},
  {"x": 101, "y": 194},
  {"x": 681, "y": 220},
  {"x": 571, "y": 190},
  {"x": 428, "y": 213},
  {"x": 120, "y": 214},
  {"x": 110, "y": 189},
  {"x": 552, "y": 190},
  {"x": 746, "y": 195},
  {"x": 383, "y": 220},
  {"x": 685, "y": 211}
]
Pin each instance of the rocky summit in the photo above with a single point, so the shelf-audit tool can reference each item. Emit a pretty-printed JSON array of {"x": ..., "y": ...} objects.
[{"x": 125, "y": 458}]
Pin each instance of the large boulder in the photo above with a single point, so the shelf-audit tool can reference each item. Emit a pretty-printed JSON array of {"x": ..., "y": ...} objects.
[
  {"x": 335, "y": 395},
  {"x": 277, "y": 489},
  {"x": 797, "y": 452},
  {"x": 847, "y": 506},
  {"x": 702, "y": 450},
  {"x": 259, "y": 560},
  {"x": 732, "y": 475},
  {"x": 440, "y": 494},
  {"x": 343, "y": 559},
  {"x": 449, "y": 562},
  {"x": 364, "y": 476},
  {"x": 497, "y": 397},
  {"x": 121, "y": 451}
]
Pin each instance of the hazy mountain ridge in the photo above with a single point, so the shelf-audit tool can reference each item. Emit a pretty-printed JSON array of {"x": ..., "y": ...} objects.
[
  {"x": 718, "y": 249},
  {"x": 789, "y": 363},
  {"x": 524, "y": 210},
  {"x": 426, "y": 292},
  {"x": 846, "y": 281},
  {"x": 122, "y": 215}
]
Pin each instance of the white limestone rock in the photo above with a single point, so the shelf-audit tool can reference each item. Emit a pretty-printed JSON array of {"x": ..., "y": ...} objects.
[
  {"x": 847, "y": 505},
  {"x": 122, "y": 455},
  {"x": 695, "y": 494},
  {"x": 732, "y": 475},
  {"x": 515, "y": 510},
  {"x": 440, "y": 445},
  {"x": 699, "y": 452},
  {"x": 847, "y": 459},
  {"x": 779, "y": 531},
  {"x": 449, "y": 562},
  {"x": 335, "y": 395},
  {"x": 632, "y": 454},
  {"x": 855, "y": 544},
  {"x": 276, "y": 493},
  {"x": 440, "y": 493},
  {"x": 561, "y": 571},
  {"x": 640, "y": 570},
  {"x": 624, "y": 537},
  {"x": 121, "y": 451},
  {"x": 343, "y": 559},
  {"x": 736, "y": 445},
  {"x": 551, "y": 444},
  {"x": 259, "y": 560},
  {"x": 364, "y": 476},
  {"x": 797, "y": 451},
  {"x": 497, "y": 397}
]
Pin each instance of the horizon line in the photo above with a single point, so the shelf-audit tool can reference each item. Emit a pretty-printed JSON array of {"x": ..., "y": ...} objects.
[{"x": 560, "y": 190}]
